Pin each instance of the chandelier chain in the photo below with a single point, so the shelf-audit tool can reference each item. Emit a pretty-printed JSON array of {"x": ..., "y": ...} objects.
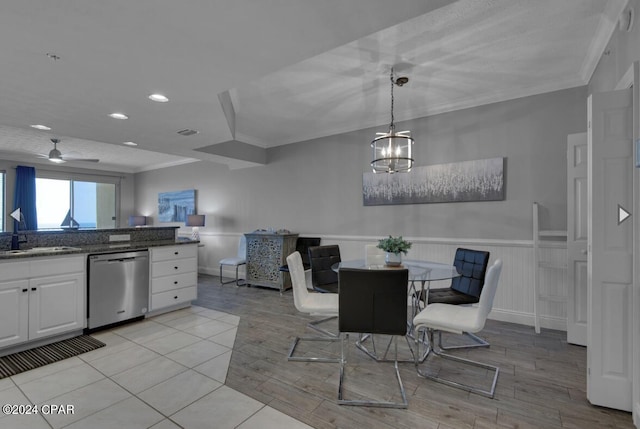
[{"x": 391, "y": 127}]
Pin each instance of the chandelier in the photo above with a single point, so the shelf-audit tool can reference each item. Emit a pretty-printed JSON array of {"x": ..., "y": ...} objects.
[{"x": 393, "y": 151}]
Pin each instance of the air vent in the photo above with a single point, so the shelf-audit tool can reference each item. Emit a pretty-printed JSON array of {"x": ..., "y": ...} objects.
[{"x": 187, "y": 132}]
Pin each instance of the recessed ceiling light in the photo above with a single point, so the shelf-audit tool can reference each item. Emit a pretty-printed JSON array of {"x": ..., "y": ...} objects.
[
  {"x": 159, "y": 98},
  {"x": 40, "y": 127},
  {"x": 119, "y": 116},
  {"x": 131, "y": 143}
]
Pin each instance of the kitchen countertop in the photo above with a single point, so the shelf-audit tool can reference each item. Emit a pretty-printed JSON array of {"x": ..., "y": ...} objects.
[{"x": 98, "y": 248}]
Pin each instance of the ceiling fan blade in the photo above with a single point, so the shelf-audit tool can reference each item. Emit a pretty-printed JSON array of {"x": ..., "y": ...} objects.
[{"x": 81, "y": 159}]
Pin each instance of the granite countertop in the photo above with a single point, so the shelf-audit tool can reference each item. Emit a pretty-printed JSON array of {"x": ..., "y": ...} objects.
[{"x": 93, "y": 248}]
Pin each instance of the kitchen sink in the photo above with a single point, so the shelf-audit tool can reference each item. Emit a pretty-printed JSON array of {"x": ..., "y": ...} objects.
[
  {"x": 39, "y": 250},
  {"x": 14, "y": 252},
  {"x": 51, "y": 249}
]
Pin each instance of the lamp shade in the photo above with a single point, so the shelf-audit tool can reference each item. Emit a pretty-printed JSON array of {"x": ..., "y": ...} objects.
[
  {"x": 392, "y": 153},
  {"x": 137, "y": 220},
  {"x": 195, "y": 220}
]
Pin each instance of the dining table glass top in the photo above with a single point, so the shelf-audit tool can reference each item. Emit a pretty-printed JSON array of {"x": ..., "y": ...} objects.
[{"x": 418, "y": 270}]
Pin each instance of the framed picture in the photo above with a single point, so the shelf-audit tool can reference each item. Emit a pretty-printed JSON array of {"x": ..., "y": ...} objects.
[
  {"x": 479, "y": 180},
  {"x": 176, "y": 206}
]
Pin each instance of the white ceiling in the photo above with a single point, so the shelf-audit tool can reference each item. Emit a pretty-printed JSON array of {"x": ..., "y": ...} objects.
[{"x": 291, "y": 70}]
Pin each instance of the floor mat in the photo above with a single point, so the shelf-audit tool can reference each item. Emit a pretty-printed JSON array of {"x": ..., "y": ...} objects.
[{"x": 34, "y": 358}]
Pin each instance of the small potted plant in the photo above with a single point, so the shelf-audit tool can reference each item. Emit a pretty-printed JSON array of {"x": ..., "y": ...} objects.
[{"x": 394, "y": 247}]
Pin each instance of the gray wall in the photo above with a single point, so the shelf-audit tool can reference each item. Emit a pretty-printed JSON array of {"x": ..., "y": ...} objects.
[{"x": 316, "y": 186}]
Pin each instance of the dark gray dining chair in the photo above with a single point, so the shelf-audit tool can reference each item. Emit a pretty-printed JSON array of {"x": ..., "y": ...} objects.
[
  {"x": 302, "y": 247},
  {"x": 375, "y": 302},
  {"x": 321, "y": 258}
]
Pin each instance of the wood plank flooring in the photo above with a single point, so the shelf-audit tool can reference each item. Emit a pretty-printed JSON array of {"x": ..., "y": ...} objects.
[{"x": 542, "y": 379}]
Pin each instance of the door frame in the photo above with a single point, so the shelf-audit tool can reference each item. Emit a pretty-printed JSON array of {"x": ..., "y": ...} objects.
[{"x": 631, "y": 79}]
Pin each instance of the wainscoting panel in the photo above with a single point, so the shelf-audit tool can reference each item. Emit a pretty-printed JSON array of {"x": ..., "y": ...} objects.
[{"x": 515, "y": 296}]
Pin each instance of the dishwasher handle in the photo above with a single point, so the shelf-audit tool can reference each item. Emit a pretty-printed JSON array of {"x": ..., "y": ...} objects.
[
  {"x": 133, "y": 258},
  {"x": 111, "y": 258},
  {"x": 118, "y": 260}
]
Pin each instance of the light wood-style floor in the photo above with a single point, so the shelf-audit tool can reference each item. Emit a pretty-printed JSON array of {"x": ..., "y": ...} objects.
[{"x": 542, "y": 379}]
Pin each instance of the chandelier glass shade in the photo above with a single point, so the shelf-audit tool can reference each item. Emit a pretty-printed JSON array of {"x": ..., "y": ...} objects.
[{"x": 392, "y": 151}]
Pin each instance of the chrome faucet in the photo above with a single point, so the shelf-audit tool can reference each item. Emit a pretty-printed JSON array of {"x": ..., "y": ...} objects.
[{"x": 15, "y": 241}]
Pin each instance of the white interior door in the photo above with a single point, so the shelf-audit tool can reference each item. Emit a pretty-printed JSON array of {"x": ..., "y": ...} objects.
[
  {"x": 577, "y": 155},
  {"x": 610, "y": 256}
]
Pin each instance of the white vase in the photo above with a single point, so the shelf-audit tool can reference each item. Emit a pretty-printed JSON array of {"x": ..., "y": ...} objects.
[{"x": 393, "y": 259}]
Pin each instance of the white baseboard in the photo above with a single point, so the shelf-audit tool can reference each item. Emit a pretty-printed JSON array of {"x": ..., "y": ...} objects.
[
  {"x": 227, "y": 271},
  {"x": 528, "y": 319},
  {"x": 210, "y": 271}
]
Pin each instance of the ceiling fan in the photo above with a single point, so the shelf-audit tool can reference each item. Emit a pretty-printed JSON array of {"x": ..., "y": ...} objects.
[{"x": 56, "y": 156}]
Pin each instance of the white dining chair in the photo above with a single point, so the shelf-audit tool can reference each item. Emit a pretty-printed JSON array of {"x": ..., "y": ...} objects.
[
  {"x": 373, "y": 255},
  {"x": 236, "y": 261},
  {"x": 459, "y": 319},
  {"x": 314, "y": 304}
]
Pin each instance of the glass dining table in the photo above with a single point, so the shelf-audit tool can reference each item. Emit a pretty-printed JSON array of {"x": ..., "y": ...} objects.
[{"x": 421, "y": 274}]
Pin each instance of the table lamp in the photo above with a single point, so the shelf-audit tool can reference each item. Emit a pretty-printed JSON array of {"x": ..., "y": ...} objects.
[{"x": 195, "y": 221}]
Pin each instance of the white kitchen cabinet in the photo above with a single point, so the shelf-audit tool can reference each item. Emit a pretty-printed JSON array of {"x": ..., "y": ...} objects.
[
  {"x": 14, "y": 309},
  {"x": 41, "y": 297},
  {"x": 174, "y": 275},
  {"x": 56, "y": 305}
]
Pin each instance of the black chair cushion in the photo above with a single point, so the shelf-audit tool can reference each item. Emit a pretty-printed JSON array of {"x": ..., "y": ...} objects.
[
  {"x": 327, "y": 288},
  {"x": 321, "y": 259},
  {"x": 472, "y": 265},
  {"x": 450, "y": 296},
  {"x": 373, "y": 301}
]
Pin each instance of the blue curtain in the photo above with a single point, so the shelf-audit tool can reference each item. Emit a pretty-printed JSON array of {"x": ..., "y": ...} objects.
[{"x": 24, "y": 198}]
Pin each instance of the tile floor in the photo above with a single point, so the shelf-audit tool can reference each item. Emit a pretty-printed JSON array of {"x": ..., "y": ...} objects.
[{"x": 163, "y": 372}]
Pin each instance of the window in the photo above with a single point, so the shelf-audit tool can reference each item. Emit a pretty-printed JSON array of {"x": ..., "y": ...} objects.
[
  {"x": 2, "y": 194},
  {"x": 91, "y": 204}
]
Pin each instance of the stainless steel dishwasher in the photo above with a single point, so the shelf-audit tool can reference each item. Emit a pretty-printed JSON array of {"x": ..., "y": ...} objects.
[{"x": 118, "y": 287}]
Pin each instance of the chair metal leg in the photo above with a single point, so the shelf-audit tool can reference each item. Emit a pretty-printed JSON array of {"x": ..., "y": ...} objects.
[
  {"x": 367, "y": 403},
  {"x": 298, "y": 340},
  {"x": 314, "y": 325},
  {"x": 328, "y": 337},
  {"x": 237, "y": 280},
  {"x": 489, "y": 393},
  {"x": 479, "y": 342},
  {"x": 374, "y": 354}
]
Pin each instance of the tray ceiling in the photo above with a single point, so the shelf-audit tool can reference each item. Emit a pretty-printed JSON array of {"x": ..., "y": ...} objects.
[{"x": 270, "y": 73}]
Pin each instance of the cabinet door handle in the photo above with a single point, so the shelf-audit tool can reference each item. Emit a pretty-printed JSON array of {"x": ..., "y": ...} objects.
[
  {"x": 33, "y": 288},
  {"x": 175, "y": 283},
  {"x": 25, "y": 290},
  {"x": 175, "y": 297},
  {"x": 176, "y": 253},
  {"x": 175, "y": 268}
]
